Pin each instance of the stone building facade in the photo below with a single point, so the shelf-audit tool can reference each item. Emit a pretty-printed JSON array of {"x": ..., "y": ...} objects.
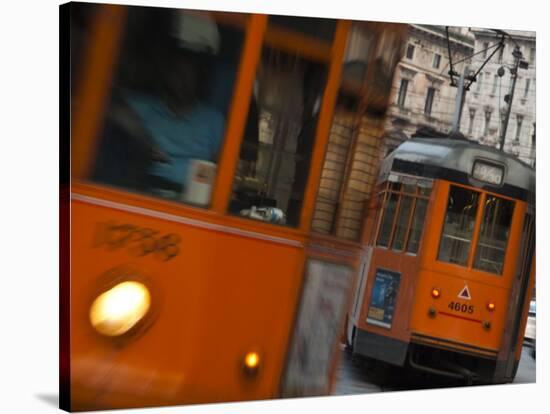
[
  {"x": 484, "y": 110},
  {"x": 422, "y": 94}
]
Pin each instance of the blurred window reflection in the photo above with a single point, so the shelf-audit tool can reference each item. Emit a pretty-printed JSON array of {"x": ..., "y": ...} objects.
[{"x": 273, "y": 169}]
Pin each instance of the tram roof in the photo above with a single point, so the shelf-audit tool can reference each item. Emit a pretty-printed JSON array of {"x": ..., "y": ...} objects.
[{"x": 453, "y": 160}]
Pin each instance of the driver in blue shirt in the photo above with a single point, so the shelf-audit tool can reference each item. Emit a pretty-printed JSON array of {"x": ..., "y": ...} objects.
[{"x": 168, "y": 121}]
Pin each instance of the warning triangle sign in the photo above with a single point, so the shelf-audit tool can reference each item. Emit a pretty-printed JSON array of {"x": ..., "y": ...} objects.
[{"x": 465, "y": 293}]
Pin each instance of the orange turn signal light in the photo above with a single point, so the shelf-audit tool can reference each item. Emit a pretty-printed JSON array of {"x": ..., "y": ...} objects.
[
  {"x": 491, "y": 306},
  {"x": 436, "y": 293}
]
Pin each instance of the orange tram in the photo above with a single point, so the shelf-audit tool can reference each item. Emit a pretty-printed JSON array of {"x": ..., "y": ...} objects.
[
  {"x": 219, "y": 165},
  {"x": 449, "y": 262}
]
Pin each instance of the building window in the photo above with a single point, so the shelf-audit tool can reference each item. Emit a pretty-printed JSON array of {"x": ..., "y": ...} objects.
[
  {"x": 485, "y": 47},
  {"x": 429, "y": 101},
  {"x": 402, "y": 93},
  {"x": 527, "y": 84},
  {"x": 488, "y": 113},
  {"x": 532, "y": 55},
  {"x": 437, "y": 60},
  {"x": 472, "y": 117},
  {"x": 519, "y": 120},
  {"x": 410, "y": 51},
  {"x": 495, "y": 81},
  {"x": 479, "y": 82},
  {"x": 500, "y": 54}
]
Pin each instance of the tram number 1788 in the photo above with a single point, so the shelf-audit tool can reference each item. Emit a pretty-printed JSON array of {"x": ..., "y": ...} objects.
[{"x": 461, "y": 307}]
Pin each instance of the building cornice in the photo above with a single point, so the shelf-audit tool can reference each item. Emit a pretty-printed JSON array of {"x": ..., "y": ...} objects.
[
  {"x": 515, "y": 35},
  {"x": 412, "y": 70},
  {"x": 440, "y": 34}
]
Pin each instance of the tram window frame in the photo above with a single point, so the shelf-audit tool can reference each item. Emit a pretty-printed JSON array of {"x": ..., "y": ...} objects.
[
  {"x": 472, "y": 226},
  {"x": 484, "y": 243},
  {"x": 402, "y": 190},
  {"x": 280, "y": 156},
  {"x": 234, "y": 22}
]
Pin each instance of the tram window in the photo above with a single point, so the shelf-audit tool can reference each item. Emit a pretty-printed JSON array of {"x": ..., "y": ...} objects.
[
  {"x": 424, "y": 190},
  {"x": 377, "y": 207},
  {"x": 396, "y": 186},
  {"x": 164, "y": 125},
  {"x": 494, "y": 233},
  {"x": 273, "y": 169},
  {"x": 411, "y": 202},
  {"x": 387, "y": 220},
  {"x": 417, "y": 225},
  {"x": 403, "y": 217},
  {"x": 459, "y": 225},
  {"x": 319, "y": 28},
  {"x": 82, "y": 15}
]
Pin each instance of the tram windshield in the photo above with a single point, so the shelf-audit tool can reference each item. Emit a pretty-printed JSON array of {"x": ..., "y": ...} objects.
[
  {"x": 494, "y": 234},
  {"x": 460, "y": 224},
  {"x": 460, "y": 220}
]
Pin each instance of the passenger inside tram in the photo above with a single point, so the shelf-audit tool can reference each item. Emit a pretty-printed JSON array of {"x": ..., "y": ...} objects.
[
  {"x": 164, "y": 125},
  {"x": 169, "y": 102}
]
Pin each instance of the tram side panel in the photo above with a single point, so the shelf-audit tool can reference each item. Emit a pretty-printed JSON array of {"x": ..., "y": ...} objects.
[
  {"x": 216, "y": 295},
  {"x": 381, "y": 328},
  {"x": 379, "y": 317}
]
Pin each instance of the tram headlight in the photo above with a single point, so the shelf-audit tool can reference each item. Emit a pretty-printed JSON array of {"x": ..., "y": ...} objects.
[
  {"x": 491, "y": 306},
  {"x": 251, "y": 363},
  {"x": 117, "y": 310},
  {"x": 436, "y": 293}
]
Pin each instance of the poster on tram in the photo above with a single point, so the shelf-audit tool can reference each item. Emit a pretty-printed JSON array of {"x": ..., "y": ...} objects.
[{"x": 383, "y": 299}]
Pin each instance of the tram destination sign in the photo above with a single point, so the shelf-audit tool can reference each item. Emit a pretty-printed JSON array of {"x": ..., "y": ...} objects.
[{"x": 488, "y": 172}]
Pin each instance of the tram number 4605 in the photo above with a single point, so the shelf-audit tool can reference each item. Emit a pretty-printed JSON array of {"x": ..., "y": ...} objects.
[
  {"x": 461, "y": 307},
  {"x": 138, "y": 241}
]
